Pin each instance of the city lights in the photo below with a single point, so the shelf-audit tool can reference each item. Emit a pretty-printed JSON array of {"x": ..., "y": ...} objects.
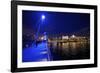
[
  {"x": 65, "y": 37},
  {"x": 73, "y": 36}
]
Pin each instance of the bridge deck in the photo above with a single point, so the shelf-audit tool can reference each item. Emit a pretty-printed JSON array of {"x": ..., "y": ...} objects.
[{"x": 36, "y": 53}]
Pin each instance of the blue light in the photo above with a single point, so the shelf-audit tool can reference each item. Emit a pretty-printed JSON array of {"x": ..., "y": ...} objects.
[
  {"x": 43, "y": 17},
  {"x": 36, "y": 53}
]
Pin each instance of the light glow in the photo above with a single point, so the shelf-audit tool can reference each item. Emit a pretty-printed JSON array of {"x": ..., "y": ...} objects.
[
  {"x": 43, "y": 17},
  {"x": 73, "y": 36}
]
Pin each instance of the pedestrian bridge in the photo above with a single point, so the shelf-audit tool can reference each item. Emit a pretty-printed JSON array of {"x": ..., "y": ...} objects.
[{"x": 37, "y": 53}]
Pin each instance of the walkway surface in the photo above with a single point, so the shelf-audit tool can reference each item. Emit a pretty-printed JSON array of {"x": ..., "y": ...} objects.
[{"x": 36, "y": 53}]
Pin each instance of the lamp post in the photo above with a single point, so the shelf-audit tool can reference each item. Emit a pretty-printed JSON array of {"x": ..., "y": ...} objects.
[{"x": 42, "y": 18}]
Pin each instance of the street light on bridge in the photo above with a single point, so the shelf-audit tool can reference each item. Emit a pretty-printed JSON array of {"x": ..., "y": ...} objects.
[{"x": 43, "y": 17}]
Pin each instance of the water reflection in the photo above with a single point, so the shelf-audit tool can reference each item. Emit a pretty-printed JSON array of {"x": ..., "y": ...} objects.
[{"x": 69, "y": 50}]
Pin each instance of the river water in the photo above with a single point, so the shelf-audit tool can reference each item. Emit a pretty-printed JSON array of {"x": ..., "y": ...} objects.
[{"x": 69, "y": 50}]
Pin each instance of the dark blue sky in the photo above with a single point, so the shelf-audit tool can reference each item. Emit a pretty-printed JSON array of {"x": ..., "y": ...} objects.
[{"x": 55, "y": 22}]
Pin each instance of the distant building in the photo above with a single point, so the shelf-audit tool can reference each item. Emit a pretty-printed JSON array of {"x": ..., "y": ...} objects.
[
  {"x": 73, "y": 36},
  {"x": 65, "y": 37}
]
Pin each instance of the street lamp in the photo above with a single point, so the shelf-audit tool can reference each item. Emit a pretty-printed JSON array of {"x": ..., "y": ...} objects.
[{"x": 43, "y": 17}]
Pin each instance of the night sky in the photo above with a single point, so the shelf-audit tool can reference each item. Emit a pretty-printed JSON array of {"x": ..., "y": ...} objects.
[{"x": 55, "y": 22}]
